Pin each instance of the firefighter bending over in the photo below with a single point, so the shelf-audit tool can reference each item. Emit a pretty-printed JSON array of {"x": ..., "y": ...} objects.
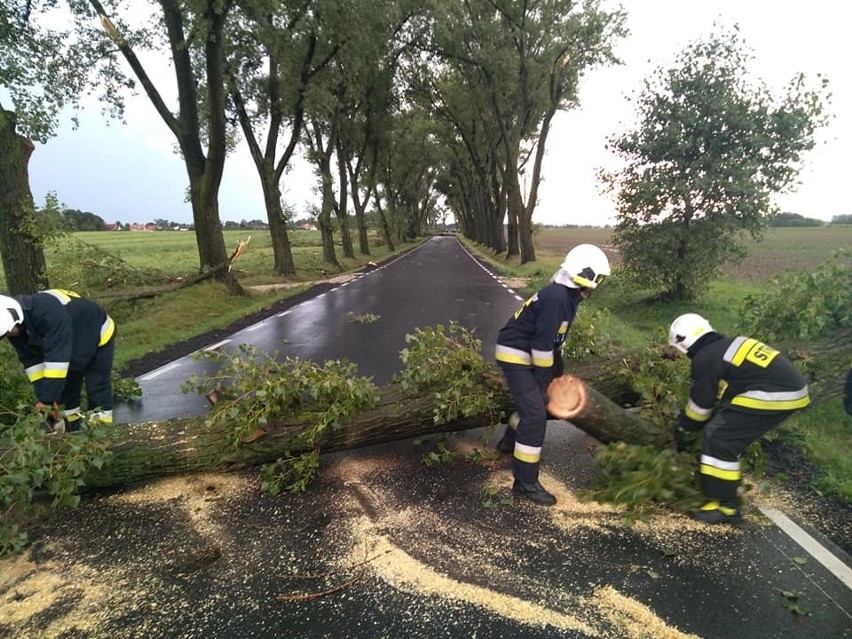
[
  {"x": 62, "y": 340},
  {"x": 528, "y": 353},
  {"x": 756, "y": 388}
]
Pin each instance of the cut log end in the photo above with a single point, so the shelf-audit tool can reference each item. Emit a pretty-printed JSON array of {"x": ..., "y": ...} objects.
[{"x": 566, "y": 397}]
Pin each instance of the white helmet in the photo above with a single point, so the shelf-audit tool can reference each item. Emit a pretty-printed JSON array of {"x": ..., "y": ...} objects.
[
  {"x": 11, "y": 314},
  {"x": 586, "y": 266},
  {"x": 686, "y": 330}
]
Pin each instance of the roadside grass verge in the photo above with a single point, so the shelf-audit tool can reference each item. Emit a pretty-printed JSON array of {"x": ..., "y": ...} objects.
[{"x": 165, "y": 258}]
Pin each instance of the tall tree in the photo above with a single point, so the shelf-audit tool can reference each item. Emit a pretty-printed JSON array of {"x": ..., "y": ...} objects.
[
  {"x": 23, "y": 254},
  {"x": 194, "y": 33},
  {"x": 521, "y": 63},
  {"x": 358, "y": 28},
  {"x": 711, "y": 148},
  {"x": 42, "y": 70},
  {"x": 276, "y": 51}
]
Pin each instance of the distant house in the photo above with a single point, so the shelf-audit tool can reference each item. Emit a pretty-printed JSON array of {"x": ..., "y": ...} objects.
[
  {"x": 307, "y": 227},
  {"x": 148, "y": 226}
]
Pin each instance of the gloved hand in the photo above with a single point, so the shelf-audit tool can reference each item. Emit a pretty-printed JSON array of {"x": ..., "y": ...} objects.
[
  {"x": 681, "y": 439},
  {"x": 543, "y": 377},
  {"x": 53, "y": 423}
]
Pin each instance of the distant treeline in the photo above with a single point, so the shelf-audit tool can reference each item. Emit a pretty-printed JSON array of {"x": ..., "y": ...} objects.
[
  {"x": 794, "y": 219},
  {"x": 74, "y": 220}
]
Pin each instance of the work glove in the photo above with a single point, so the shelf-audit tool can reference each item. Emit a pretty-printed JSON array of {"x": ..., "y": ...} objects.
[
  {"x": 53, "y": 422},
  {"x": 682, "y": 440},
  {"x": 543, "y": 377}
]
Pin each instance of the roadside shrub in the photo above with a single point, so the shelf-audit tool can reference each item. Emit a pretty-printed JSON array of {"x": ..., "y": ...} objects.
[
  {"x": 803, "y": 304},
  {"x": 589, "y": 336},
  {"x": 15, "y": 388}
]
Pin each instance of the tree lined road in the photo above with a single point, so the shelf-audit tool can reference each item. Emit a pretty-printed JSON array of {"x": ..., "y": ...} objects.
[{"x": 381, "y": 545}]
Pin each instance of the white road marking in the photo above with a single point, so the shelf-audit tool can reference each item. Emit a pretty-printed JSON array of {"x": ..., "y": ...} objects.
[
  {"x": 217, "y": 345},
  {"x": 159, "y": 371},
  {"x": 811, "y": 545}
]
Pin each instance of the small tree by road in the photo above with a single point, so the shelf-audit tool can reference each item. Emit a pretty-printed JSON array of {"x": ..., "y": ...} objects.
[{"x": 709, "y": 151}]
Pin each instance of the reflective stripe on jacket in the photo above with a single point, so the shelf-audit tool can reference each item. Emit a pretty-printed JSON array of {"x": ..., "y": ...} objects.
[
  {"x": 62, "y": 331},
  {"x": 742, "y": 373},
  {"x": 538, "y": 327}
]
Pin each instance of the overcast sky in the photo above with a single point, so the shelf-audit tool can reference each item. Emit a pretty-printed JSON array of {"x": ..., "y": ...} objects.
[{"x": 131, "y": 173}]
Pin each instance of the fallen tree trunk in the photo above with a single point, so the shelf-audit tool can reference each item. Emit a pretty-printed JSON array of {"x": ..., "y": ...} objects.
[
  {"x": 824, "y": 363},
  {"x": 191, "y": 444},
  {"x": 574, "y": 400},
  {"x": 144, "y": 451}
]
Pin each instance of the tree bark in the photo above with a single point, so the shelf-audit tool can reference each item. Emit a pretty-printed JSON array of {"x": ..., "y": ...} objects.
[
  {"x": 574, "y": 400},
  {"x": 22, "y": 252}
]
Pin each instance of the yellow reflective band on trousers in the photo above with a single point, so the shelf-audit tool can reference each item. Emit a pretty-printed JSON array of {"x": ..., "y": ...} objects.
[
  {"x": 529, "y": 454},
  {"x": 35, "y": 373},
  {"x": 725, "y": 470},
  {"x": 769, "y": 400},
  {"x": 55, "y": 370},
  {"x": 104, "y": 416},
  {"x": 107, "y": 331}
]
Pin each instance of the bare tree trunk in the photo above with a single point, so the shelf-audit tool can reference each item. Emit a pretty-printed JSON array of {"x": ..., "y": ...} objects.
[
  {"x": 281, "y": 250},
  {"x": 386, "y": 230},
  {"x": 342, "y": 208},
  {"x": 23, "y": 255}
]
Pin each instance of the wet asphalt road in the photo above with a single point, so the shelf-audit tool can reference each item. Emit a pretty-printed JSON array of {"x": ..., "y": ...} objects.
[
  {"x": 405, "y": 550},
  {"x": 435, "y": 283}
]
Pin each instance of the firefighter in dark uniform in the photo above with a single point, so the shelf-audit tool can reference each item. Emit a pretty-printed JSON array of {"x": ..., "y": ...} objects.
[
  {"x": 528, "y": 353},
  {"x": 62, "y": 340},
  {"x": 756, "y": 389}
]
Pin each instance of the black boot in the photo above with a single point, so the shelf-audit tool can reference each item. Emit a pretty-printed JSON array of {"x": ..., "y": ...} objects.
[
  {"x": 535, "y": 492},
  {"x": 715, "y": 513}
]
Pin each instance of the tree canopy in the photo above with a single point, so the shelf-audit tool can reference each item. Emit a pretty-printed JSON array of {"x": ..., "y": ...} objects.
[{"x": 711, "y": 148}]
